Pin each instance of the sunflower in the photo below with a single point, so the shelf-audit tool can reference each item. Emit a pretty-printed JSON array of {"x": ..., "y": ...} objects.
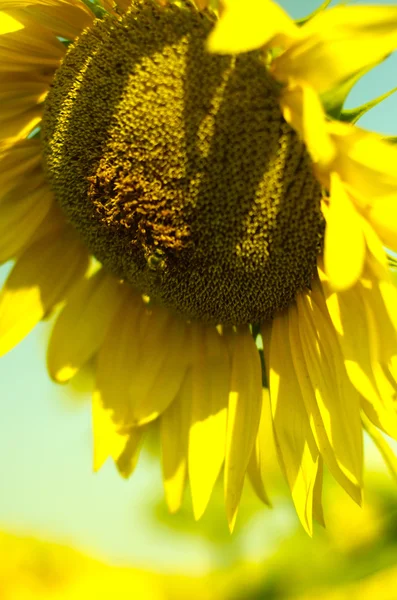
[{"x": 184, "y": 181}]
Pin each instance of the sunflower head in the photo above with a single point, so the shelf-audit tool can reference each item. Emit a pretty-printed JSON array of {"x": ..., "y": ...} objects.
[
  {"x": 178, "y": 169},
  {"x": 214, "y": 185}
]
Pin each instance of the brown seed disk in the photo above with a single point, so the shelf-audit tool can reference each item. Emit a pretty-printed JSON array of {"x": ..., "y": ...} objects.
[{"x": 178, "y": 169}]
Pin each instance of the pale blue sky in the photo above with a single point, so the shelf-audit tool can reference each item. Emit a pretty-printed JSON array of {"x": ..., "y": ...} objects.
[{"x": 45, "y": 443}]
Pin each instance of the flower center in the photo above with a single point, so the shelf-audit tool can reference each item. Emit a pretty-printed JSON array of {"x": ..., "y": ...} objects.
[{"x": 178, "y": 169}]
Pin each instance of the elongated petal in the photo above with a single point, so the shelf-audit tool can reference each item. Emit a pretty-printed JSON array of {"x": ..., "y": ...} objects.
[
  {"x": 65, "y": 19},
  {"x": 244, "y": 410},
  {"x": 344, "y": 244},
  {"x": 207, "y": 439},
  {"x": 383, "y": 217},
  {"x": 294, "y": 438},
  {"x": 264, "y": 452},
  {"x": 81, "y": 327},
  {"x": 309, "y": 394},
  {"x": 248, "y": 25},
  {"x": 331, "y": 399},
  {"x": 387, "y": 453},
  {"x": 21, "y": 157},
  {"x": 8, "y": 23},
  {"x": 128, "y": 459},
  {"x": 302, "y": 109},
  {"x": 348, "y": 314},
  {"x": 21, "y": 100},
  {"x": 111, "y": 407},
  {"x": 318, "y": 513},
  {"x": 174, "y": 444},
  {"x": 21, "y": 214},
  {"x": 337, "y": 43},
  {"x": 157, "y": 375},
  {"x": 40, "y": 279},
  {"x": 365, "y": 162},
  {"x": 29, "y": 48}
]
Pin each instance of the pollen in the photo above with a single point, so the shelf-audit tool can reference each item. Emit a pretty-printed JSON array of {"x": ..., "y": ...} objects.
[{"x": 178, "y": 170}]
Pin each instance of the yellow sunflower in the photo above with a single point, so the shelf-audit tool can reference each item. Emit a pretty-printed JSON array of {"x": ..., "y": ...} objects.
[{"x": 185, "y": 182}]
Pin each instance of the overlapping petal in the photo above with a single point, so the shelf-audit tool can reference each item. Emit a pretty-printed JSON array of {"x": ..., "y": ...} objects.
[
  {"x": 331, "y": 402},
  {"x": 359, "y": 339},
  {"x": 81, "y": 327},
  {"x": 64, "y": 18},
  {"x": 298, "y": 452},
  {"x": 337, "y": 43},
  {"x": 26, "y": 47},
  {"x": 175, "y": 424},
  {"x": 244, "y": 411},
  {"x": 41, "y": 278},
  {"x": 211, "y": 372},
  {"x": 250, "y": 24},
  {"x": 25, "y": 201},
  {"x": 344, "y": 243}
]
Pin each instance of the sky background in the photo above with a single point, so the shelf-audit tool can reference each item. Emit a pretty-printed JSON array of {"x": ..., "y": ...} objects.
[{"x": 48, "y": 489}]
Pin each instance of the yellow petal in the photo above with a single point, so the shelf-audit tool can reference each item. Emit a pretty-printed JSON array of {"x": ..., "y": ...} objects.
[
  {"x": 40, "y": 279},
  {"x": 294, "y": 438},
  {"x": 207, "y": 438},
  {"x": 21, "y": 158},
  {"x": 264, "y": 452},
  {"x": 386, "y": 452},
  {"x": 21, "y": 214},
  {"x": 344, "y": 244},
  {"x": 302, "y": 109},
  {"x": 9, "y": 24},
  {"x": 365, "y": 162},
  {"x": 21, "y": 99},
  {"x": 348, "y": 314},
  {"x": 128, "y": 459},
  {"x": 338, "y": 43},
  {"x": 318, "y": 513},
  {"x": 375, "y": 248},
  {"x": 82, "y": 325},
  {"x": 111, "y": 405},
  {"x": 248, "y": 25},
  {"x": 31, "y": 49},
  {"x": 174, "y": 444},
  {"x": 332, "y": 402},
  {"x": 157, "y": 374},
  {"x": 387, "y": 388},
  {"x": 244, "y": 410},
  {"x": 383, "y": 217},
  {"x": 64, "y": 19}
]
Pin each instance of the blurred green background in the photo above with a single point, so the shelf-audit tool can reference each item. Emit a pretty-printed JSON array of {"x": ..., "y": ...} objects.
[{"x": 51, "y": 502}]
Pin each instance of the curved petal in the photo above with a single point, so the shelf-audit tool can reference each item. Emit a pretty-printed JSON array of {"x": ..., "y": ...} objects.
[
  {"x": 110, "y": 403},
  {"x": 264, "y": 452},
  {"x": 27, "y": 47},
  {"x": 337, "y": 43},
  {"x": 174, "y": 444},
  {"x": 248, "y": 25},
  {"x": 17, "y": 159},
  {"x": 66, "y": 19},
  {"x": 81, "y": 327},
  {"x": 359, "y": 347},
  {"x": 21, "y": 99},
  {"x": 128, "y": 459},
  {"x": 344, "y": 243},
  {"x": 294, "y": 438},
  {"x": 210, "y": 389},
  {"x": 21, "y": 214},
  {"x": 302, "y": 109},
  {"x": 332, "y": 402},
  {"x": 383, "y": 218},
  {"x": 244, "y": 411},
  {"x": 40, "y": 279}
]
